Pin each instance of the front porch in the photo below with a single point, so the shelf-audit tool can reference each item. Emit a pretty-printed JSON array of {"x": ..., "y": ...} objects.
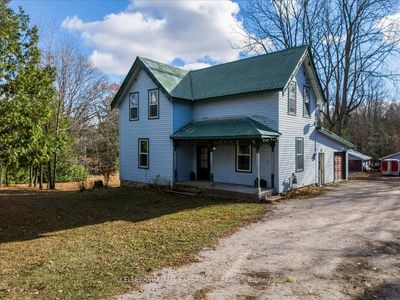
[
  {"x": 231, "y": 157},
  {"x": 225, "y": 190}
]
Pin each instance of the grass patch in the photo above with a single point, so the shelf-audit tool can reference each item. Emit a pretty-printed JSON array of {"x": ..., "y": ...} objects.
[{"x": 85, "y": 245}]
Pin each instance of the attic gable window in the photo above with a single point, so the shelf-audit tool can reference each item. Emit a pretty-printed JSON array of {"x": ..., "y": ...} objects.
[
  {"x": 153, "y": 104},
  {"x": 306, "y": 102},
  {"x": 292, "y": 98},
  {"x": 134, "y": 106}
]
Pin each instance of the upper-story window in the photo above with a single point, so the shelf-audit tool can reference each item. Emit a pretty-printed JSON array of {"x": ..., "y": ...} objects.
[
  {"x": 292, "y": 98},
  {"x": 134, "y": 106},
  {"x": 153, "y": 104},
  {"x": 306, "y": 102}
]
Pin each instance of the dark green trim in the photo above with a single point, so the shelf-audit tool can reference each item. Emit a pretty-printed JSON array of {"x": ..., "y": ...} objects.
[
  {"x": 296, "y": 153},
  {"x": 148, "y": 153},
  {"x": 236, "y": 159},
  {"x": 136, "y": 64},
  {"x": 138, "y": 104},
  {"x": 295, "y": 99},
  {"x": 309, "y": 102},
  {"x": 158, "y": 104},
  {"x": 334, "y": 137}
]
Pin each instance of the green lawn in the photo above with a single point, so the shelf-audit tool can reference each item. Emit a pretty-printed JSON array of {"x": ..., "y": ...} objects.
[{"x": 80, "y": 245}]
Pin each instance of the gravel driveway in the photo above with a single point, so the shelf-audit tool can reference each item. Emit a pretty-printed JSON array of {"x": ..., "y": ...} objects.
[{"x": 344, "y": 244}]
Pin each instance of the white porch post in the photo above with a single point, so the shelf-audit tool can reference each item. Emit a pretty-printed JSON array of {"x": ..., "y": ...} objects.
[
  {"x": 272, "y": 145},
  {"x": 211, "y": 166},
  {"x": 258, "y": 168}
]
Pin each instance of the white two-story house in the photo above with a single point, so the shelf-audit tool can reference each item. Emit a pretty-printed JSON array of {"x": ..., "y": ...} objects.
[{"x": 250, "y": 122}]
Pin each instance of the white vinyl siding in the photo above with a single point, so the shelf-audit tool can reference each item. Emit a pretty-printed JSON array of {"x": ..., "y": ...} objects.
[
  {"x": 290, "y": 127},
  {"x": 158, "y": 132}
]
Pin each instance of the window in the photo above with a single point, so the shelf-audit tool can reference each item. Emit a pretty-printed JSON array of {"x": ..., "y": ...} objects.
[
  {"x": 306, "y": 102},
  {"x": 299, "y": 154},
  {"x": 243, "y": 158},
  {"x": 292, "y": 98},
  {"x": 134, "y": 106},
  {"x": 143, "y": 153},
  {"x": 153, "y": 104}
]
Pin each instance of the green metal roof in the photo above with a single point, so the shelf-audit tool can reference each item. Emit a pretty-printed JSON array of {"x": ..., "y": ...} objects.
[
  {"x": 268, "y": 72},
  {"x": 225, "y": 128},
  {"x": 169, "y": 77},
  {"x": 334, "y": 137},
  {"x": 259, "y": 73}
]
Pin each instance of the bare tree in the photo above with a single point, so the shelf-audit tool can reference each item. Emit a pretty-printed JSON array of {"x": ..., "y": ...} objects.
[
  {"x": 80, "y": 91},
  {"x": 351, "y": 41}
]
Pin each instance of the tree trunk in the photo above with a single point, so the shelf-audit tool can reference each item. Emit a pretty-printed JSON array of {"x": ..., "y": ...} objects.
[
  {"x": 40, "y": 176},
  {"x": 35, "y": 176},
  {"x": 1, "y": 174},
  {"x": 6, "y": 175},
  {"x": 30, "y": 175},
  {"x": 48, "y": 174},
  {"x": 53, "y": 181}
]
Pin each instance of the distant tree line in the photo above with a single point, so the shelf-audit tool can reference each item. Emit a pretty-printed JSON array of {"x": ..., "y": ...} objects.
[{"x": 55, "y": 121}]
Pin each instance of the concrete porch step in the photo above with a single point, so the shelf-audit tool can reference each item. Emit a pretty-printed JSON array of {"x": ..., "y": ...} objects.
[{"x": 174, "y": 192}]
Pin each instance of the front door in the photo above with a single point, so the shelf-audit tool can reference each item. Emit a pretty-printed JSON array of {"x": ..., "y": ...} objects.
[
  {"x": 321, "y": 169},
  {"x": 203, "y": 163}
]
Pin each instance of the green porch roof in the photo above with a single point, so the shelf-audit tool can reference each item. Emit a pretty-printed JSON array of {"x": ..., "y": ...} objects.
[
  {"x": 334, "y": 137},
  {"x": 268, "y": 72},
  {"x": 225, "y": 128}
]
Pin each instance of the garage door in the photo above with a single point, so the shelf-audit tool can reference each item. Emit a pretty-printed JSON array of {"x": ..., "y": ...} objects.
[{"x": 339, "y": 160}]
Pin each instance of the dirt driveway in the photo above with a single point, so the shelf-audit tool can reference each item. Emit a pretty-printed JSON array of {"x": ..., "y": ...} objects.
[{"x": 344, "y": 244}]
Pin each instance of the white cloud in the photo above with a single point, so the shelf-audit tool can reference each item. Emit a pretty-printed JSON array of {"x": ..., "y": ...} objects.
[
  {"x": 390, "y": 25},
  {"x": 193, "y": 31},
  {"x": 196, "y": 66}
]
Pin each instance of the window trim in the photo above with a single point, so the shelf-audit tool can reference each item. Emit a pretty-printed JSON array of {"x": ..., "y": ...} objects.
[
  {"x": 237, "y": 155},
  {"x": 297, "y": 154},
  {"x": 158, "y": 103},
  {"x": 148, "y": 153},
  {"x": 137, "y": 118},
  {"x": 308, "y": 116},
  {"x": 295, "y": 98}
]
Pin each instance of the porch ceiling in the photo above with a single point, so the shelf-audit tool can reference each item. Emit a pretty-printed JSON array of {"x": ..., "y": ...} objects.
[{"x": 226, "y": 129}]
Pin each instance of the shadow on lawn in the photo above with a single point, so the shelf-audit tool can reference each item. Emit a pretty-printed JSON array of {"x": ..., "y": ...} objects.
[{"x": 27, "y": 214}]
